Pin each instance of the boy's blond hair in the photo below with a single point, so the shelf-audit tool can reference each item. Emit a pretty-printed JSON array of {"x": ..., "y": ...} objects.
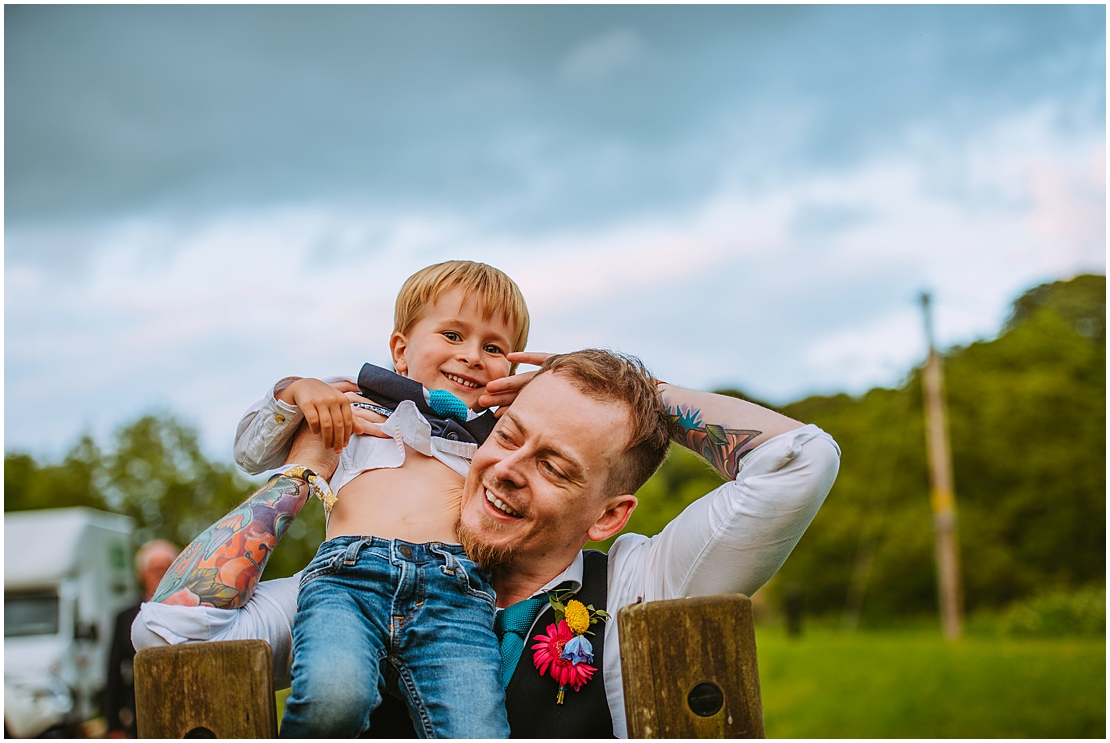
[{"x": 496, "y": 293}]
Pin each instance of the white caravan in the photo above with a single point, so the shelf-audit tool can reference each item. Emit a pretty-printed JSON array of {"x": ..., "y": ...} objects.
[{"x": 67, "y": 573}]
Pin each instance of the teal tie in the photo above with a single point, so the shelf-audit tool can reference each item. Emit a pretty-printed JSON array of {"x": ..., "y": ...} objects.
[
  {"x": 447, "y": 405},
  {"x": 511, "y": 626}
]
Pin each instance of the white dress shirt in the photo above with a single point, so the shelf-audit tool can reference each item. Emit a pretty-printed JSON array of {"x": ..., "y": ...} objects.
[
  {"x": 730, "y": 541},
  {"x": 265, "y": 433}
]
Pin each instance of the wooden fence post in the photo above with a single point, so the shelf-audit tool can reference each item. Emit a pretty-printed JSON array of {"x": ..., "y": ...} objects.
[
  {"x": 206, "y": 690},
  {"x": 689, "y": 668}
]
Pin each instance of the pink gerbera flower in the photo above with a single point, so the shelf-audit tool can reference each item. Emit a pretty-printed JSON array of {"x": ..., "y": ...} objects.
[{"x": 548, "y": 655}]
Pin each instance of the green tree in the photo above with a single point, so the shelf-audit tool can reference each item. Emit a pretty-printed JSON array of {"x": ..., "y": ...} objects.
[
  {"x": 156, "y": 473},
  {"x": 1027, "y": 425},
  {"x": 29, "y": 485}
]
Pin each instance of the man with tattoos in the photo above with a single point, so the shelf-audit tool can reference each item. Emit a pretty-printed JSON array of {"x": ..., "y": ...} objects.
[{"x": 581, "y": 435}]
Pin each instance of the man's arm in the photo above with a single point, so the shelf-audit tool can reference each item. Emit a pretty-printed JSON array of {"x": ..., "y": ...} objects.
[
  {"x": 212, "y": 591},
  {"x": 733, "y": 539},
  {"x": 719, "y": 428},
  {"x": 221, "y": 567}
]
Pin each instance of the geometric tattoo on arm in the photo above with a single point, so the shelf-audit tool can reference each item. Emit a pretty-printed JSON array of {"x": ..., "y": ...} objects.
[
  {"x": 721, "y": 447},
  {"x": 221, "y": 567}
]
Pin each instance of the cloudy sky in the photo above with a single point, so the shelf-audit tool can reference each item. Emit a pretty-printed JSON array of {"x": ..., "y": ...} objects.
[{"x": 200, "y": 200}]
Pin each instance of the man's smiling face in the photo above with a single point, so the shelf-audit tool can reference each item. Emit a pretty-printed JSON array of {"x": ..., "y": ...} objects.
[{"x": 537, "y": 487}]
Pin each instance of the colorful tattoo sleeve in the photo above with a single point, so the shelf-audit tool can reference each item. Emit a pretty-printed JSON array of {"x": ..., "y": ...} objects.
[
  {"x": 721, "y": 447},
  {"x": 221, "y": 567}
]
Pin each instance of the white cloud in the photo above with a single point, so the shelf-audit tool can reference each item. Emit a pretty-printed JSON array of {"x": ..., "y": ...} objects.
[
  {"x": 881, "y": 351},
  {"x": 598, "y": 58},
  {"x": 220, "y": 308}
]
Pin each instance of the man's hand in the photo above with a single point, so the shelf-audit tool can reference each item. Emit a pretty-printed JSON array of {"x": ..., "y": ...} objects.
[
  {"x": 327, "y": 411},
  {"x": 370, "y": 420},
  {"x": 308, "y": 449},
  {"x": 500, "y": 393}
]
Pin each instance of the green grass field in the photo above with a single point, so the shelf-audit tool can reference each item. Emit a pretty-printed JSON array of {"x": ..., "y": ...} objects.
[{"x": 914, "y": 684}]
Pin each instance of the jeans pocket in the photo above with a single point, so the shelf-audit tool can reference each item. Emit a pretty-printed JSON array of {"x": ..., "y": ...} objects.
[
  {"x": 473, "y": 580},
  {"x": 328, "y": 560}
]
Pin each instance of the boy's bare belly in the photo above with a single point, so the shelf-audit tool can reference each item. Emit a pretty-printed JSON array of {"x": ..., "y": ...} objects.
[{"x": 417, "y": 502}]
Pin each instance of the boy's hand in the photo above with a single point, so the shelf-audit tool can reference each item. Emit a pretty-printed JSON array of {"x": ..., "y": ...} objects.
[
  {"x": 500, "y": 393},
  {"x": 326, "y": 409}
]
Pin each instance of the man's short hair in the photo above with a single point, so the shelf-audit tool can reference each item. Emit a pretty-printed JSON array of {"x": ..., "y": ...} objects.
[
  {"x": 613, "y": 377},
  {"x": 496, "y": 293}
]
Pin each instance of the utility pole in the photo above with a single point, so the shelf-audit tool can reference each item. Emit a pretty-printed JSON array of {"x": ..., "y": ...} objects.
[{"x": 940, "y": 476}]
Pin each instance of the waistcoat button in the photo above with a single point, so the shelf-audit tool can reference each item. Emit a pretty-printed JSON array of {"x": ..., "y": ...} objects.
[{"x": 452, "y": 436}]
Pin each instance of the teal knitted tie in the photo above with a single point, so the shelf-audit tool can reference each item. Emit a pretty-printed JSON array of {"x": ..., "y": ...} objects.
[
  {"x": 447, "y": 405},
  {"x": 511, "y": 626}
]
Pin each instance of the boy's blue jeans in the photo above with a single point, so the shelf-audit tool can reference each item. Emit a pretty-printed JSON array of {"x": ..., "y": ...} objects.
[{"x": 377, "y": 615}]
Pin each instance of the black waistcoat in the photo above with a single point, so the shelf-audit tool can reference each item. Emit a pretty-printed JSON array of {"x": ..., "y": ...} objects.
[{"x": 530, "y": 698}]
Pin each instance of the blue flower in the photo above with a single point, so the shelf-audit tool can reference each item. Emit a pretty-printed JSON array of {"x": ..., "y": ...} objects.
[{"x": 578, "y": 650}]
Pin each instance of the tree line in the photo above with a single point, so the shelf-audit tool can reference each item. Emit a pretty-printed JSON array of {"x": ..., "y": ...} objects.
[
  {"x": 1027, "y": 422},
  {"x": 155, "y": 472},
  {"x": 1027, "y": 426}
]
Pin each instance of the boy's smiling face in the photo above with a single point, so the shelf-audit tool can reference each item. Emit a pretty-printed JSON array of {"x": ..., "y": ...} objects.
[{"x": 454, "y": 347}]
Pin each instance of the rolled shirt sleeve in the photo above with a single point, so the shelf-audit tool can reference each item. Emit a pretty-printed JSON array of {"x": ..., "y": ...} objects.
[
  {"x": 730, "y": 541},
  {"x": 265, "y": 432},
  {"x": 267, "y": 616},
  {"x": 735, "y": 538}
]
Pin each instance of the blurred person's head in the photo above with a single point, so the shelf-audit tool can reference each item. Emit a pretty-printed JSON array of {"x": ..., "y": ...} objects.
[
  {"x": 151, "y": 563},
  {"x": 481, "y": 297}
]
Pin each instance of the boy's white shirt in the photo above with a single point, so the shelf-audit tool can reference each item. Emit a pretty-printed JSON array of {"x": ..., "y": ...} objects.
[
  {"x": 264, "y": 434},
  {"x": 729, "y": 541}
]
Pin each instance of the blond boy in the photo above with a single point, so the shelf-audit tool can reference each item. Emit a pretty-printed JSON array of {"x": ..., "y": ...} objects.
[{"x": 391, "y": 602}]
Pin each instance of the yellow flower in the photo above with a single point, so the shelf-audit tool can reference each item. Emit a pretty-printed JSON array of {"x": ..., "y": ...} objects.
[{"x": 578, "y": 618}]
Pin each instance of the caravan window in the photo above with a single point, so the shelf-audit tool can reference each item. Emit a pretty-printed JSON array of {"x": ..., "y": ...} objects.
[{"x": 30, "y": 613}]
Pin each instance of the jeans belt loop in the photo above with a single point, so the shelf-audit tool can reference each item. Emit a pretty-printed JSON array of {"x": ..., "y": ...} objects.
[
  {"x": 352, "y": 552},
  {"x": 450, "y": 564}
]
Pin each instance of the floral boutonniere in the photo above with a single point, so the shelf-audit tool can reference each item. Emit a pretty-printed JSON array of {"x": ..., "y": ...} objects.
[{"x": 564, "y": 650}]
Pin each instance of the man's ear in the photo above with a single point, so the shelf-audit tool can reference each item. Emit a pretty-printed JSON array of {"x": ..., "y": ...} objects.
[
  {"x": 398, "y": 344},
  {"x": 614, "y": 518}
]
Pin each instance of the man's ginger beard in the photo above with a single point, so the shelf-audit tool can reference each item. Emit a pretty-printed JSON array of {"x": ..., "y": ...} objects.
[{"x": 488, "y": 556}]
